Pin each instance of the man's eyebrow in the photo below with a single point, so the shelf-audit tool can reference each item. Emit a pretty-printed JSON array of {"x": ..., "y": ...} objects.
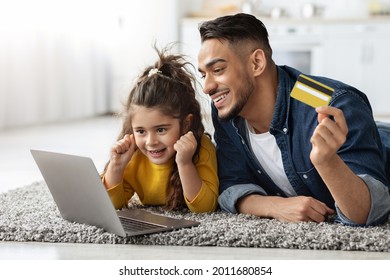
[{"x": 212, "y": 62}]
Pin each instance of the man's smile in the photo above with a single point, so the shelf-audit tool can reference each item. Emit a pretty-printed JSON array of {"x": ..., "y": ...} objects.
[{"x": 219, "y": 97}]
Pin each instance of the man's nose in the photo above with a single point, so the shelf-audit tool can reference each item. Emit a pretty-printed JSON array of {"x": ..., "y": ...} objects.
[{"x": 209, "y": 85}]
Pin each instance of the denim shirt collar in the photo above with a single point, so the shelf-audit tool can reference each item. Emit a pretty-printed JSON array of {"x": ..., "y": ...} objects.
[
  {"x": 286, "y": 77},
  {"x": 282, "y": 105}
]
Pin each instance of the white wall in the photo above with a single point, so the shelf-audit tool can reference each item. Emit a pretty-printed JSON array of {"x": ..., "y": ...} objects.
[
  {"x": 69, "y": 59},
  {"x": 54, "y": 62}
]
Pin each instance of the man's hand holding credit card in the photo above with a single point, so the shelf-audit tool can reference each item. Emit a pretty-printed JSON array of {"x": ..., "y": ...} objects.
[{"x": 311, "y": 92}]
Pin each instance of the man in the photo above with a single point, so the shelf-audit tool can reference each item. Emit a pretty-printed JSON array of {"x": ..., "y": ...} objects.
[{"x": 278, "y": 157}]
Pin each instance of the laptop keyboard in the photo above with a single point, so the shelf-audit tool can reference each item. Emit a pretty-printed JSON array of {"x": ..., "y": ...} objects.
[{"x": 137, "y": 226}]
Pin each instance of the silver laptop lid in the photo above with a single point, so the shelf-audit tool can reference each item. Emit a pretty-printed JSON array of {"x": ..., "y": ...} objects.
[{"x": 78, "y": 190}]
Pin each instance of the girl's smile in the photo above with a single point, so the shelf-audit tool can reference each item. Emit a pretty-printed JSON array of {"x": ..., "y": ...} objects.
[{"x": 157, "y": 154}]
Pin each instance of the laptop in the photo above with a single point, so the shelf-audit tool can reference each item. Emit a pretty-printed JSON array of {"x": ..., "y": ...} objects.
[{"x": 81, "y": 197}]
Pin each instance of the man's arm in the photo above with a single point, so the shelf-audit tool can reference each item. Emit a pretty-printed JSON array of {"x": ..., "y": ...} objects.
[
  {"x": 349, "y": 191},
  {"x": 292, "y": 209}
]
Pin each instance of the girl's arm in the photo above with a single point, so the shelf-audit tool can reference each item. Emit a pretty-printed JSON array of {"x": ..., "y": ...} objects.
[
  {"x": 199, "y": 181},
  {"x": 191, "y": 182},
  {"x": 121, "y": 154}
]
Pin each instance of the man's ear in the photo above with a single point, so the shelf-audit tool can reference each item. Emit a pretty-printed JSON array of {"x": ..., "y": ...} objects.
[
  {"x": 259, "y": 62},
  {"x": 187, "y": 123}
]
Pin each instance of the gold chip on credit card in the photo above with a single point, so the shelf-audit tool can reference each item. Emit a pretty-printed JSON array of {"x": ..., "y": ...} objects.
[{"x": 311, "y": 92}]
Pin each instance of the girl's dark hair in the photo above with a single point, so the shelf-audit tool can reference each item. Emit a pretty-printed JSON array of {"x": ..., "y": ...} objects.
[
  {"x": 236, "y": 29},
  {"x": 169, "y": 86}
]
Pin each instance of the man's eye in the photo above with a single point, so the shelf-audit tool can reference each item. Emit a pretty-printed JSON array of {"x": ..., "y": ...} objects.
[{"x": 217, "y": 70}]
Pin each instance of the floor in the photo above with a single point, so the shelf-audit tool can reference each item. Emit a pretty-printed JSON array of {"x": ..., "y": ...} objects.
[{"x": 93, "y": 138}]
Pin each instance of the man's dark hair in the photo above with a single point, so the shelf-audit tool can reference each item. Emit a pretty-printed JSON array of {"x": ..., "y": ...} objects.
[{"x": 236, "y": 29}]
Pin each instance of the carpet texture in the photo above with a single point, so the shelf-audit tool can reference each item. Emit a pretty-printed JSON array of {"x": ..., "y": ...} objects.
[{"x": 30, "y": 214}]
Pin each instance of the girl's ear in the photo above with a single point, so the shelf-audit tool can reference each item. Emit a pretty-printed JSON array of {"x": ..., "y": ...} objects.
[{"x": 187, "y": 123}]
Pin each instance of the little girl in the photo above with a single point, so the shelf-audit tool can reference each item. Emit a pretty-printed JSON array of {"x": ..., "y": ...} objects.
[{"x": 162, "y": 153}]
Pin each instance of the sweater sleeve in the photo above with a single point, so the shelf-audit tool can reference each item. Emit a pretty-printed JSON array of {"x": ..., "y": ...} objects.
[
  {"x": 120, "y": 194},
  {"x": 207, "y": 198}
]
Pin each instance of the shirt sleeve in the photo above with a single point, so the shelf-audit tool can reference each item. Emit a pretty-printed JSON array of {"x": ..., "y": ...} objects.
[
  {"x": 380, "y": 203},
  {"x": 228, "y": 198}
]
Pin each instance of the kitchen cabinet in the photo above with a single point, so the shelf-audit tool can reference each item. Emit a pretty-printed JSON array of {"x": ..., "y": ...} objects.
[
  {"x": 352, "y": 51},
  {"x": 134, "y": 39},
  {"x": 357, "y": 54}
]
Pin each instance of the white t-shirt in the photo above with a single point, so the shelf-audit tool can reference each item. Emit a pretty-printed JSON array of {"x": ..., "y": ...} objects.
[{"x": 269, "y": 155}]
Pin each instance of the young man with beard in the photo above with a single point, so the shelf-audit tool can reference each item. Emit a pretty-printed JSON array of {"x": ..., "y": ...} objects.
[{"x": 278, "y": 157}]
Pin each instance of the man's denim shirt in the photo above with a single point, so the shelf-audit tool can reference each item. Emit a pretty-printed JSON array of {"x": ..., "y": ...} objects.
[{"x": 292, "y": 125}]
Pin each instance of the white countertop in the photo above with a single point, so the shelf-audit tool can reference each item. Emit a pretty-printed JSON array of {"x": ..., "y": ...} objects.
[{"x": 313, "y": 20}]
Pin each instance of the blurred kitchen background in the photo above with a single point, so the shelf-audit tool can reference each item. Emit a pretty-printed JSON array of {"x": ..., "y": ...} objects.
[
  {"x": 66, "y": 60},
  {"x": 67, "y": 65}
]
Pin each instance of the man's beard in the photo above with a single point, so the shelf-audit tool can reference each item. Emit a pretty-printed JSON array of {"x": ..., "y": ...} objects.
[{"x": 243, "y": 95}]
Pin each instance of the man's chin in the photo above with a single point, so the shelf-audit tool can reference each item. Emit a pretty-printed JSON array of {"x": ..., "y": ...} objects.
[
  {"x": 225, "y": 118},
  {"x": 227, "y": 115}
]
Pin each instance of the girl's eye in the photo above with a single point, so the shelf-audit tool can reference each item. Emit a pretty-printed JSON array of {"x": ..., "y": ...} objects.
[
  {"x": 161, "y": 130},
  {"x": 140, "y": 131}
]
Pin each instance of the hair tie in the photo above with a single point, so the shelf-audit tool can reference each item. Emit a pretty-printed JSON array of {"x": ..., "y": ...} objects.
[{"x": 153, "y": 71}]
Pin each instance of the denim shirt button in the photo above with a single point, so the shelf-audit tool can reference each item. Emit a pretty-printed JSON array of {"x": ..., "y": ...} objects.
[
  {"x": 305, "y": 176},
  {"x": 285, "y": 130},
  {"x": 259, "y": 171}
]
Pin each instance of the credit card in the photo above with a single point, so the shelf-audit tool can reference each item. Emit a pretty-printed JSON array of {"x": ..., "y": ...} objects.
[{"x": 311, "y": 92}]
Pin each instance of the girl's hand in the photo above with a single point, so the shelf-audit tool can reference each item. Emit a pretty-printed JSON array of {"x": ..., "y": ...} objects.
[
  {"x": 191, "y": 182},
  {"x": 121, "y": 154},
  {"x": 328, "y": 136},
  {"x": 122, "y": 151},
  {"x": 185, "y": 148}
]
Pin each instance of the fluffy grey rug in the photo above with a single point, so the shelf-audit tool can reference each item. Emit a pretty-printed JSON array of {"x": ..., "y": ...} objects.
[{"x": 30, "y": 214}]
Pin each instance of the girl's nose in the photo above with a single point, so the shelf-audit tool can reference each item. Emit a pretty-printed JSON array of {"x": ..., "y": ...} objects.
[{"x": 152, "y": 139}]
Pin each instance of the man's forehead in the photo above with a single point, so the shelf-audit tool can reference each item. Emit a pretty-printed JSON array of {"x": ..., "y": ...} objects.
[
  {"x": 213, "y": 51},
  {"x": 215, "y": 43}
]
